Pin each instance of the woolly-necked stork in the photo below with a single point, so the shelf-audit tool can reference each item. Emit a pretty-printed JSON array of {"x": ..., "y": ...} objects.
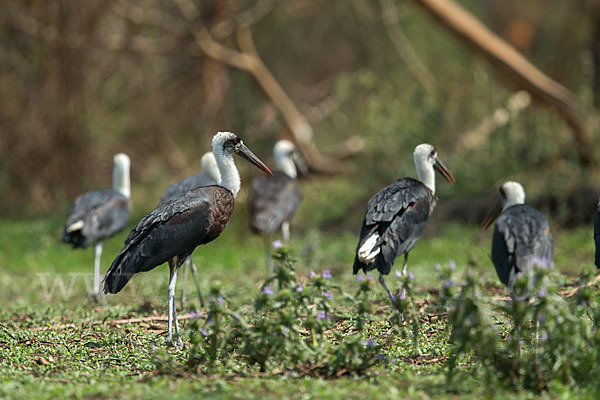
[
  {"x": 172, "y": 231},
  {"x": 597, "y": 235},
  {"x": 396, "y": 216},
  {"x": 98, "y": 215},
  {"x": 273, "y": 200},
  {"x": 521, "y": 236},
  {"x": 210, "y": 176}
]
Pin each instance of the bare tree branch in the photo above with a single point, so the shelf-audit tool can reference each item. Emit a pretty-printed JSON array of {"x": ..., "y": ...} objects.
[
  {"x": 391, "y": 21},
  {"x": 519, "y": 70}
]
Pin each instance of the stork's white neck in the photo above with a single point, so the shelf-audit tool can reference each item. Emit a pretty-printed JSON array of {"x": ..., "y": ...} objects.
[
  {"x": 286, "y": 165},
  {"x": 121, "y": 182},
  {"x": 425, "y": 172},
  {"x": 209, "y": 167},
  {"x": 230, "y": 177}
]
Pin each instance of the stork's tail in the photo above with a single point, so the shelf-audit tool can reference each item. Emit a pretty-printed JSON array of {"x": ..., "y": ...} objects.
[{"x": 366, "y": 252}]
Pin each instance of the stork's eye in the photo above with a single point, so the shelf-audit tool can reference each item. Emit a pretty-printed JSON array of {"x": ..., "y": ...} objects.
[
  {"x": 236, "y": 140},
  {"x": 502, "y": 193},
  {"x": 433, "y": 153}
]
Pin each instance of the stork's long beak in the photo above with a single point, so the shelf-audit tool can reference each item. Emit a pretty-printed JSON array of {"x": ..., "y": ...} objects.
[
  {"x": 248, "y": 155},
  {"x": 492, "y": 215},
  {"x": 441, "y": 168}
]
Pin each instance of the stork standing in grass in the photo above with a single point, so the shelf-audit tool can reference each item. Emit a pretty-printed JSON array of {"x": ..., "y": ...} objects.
[
  {"x": 171, "y": 232},
  {"x": 273, "y": 200},
  {"x": 210, "y": 176},
  {"x": 521, "y": 236},
  {"x": 396, "y": 216},
  {"x": 98, "y": 215}
]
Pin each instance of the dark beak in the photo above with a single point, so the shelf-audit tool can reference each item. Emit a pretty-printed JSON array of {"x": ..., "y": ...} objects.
[
  {"x": 300, "y": 164},
  {"x": 248, "y": 155},
  {"x": 441, "y": 168},
  {"x": 492, "y": 215}
]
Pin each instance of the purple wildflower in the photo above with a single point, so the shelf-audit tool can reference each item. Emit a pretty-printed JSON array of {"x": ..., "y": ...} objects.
[
  {"x": 372, "y": 342},
  {"x": 452, "y": 265},
  {"x": 311, "y": 274},
  {"x": 326, "y": 274},
  {"x": 544, "y": 337},
  {"x": 153, "y": 348},
  {"x": 360, "y": 278},
  {"x": 541, "y": 293},
  {"x": 321, "y": 315},
  {"x": 195, "y": 314},
  {"x": 286, "y": 330},
  {"x": 380, "y": 357},
  {"x": 327, "y": 294},
  {"x": 437, "y": 267},
  {"x": 237, "y": 316},
  {"x": 402, "y": 295},
  {"x": 210, "y": 321},
  {"x": 277, "y": 244},
  {"x": 447, "y": 284},
  {"x": 300, "y": 288},
  {"x": 220, "y": 301},
  {"x": 411, "y": 276},
  {"x": 267, "y": 290},
  {"x": 204, "y": 332},
  {"x": 370, "y": 276},
  {"x": 328, "y": 316},
  {"x": 398, "y": 274}
]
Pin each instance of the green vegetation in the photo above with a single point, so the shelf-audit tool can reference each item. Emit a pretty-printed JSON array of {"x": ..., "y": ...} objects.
[{"x": 64, "y": 346}]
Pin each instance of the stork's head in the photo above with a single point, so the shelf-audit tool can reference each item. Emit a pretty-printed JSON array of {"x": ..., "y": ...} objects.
[
  {"x": 288, "y": 160},
  {"x": 226, "y": 143},
  {"x": 426, "y": 162},
  {"x": 121, "y": 165},
  {"x": 209, "y": 166},
  {"x": 511, "y": 193}
]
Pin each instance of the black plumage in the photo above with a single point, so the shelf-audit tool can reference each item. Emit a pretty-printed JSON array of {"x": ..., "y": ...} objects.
[
  {"x": 96, "y": 216},
  {"x": 272, "y": 201},
  {"x": 521, "y": 236},
  {"x": 398, "y": 214},
  {"x": 185, "y": 185},
  {"x": 173, "y": 230}
]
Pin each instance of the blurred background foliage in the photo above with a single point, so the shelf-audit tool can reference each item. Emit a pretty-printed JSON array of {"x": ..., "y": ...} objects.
[{"x": 80, "y": 81}]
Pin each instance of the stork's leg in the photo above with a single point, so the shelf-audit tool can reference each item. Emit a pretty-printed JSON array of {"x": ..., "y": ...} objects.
[
  {"x": 184, "y": 283},
  {"x": 95, "y": 295},
  {"x": 404, "y": 266},
  {"x": 382, "y": 281},
  {"x": 268, "y": 255},
  {"x": 285, "y": 232},
  {"x": 195, "y": 276},
  {"x": 173, "y": 268}
]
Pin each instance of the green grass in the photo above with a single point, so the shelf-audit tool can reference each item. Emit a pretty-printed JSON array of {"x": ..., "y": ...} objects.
[{"x": 40, "y": 357}]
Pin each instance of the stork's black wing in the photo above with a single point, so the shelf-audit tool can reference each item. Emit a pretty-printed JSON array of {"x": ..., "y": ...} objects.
[
  {"x": 171, "y": 230},
  {"x": 272, "y": 201},
  {"x": 398, "y": 213},
  {"x": 96, "y": 216},
  {"x": 597, "y": 235},
  {"x": 521, "y": 235},
  {"x": 185, "y": 185}
]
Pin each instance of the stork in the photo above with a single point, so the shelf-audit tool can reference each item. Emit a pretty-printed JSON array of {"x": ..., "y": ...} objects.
[
  {"x": 100, "y": 214},
  {"x": 273, "y": 200},
  {"x": 172, "y": 231},
  {"x": 396, "y": 216},
  {"x": 597, "y": 235},
  {"x": 521, "y": 236},
  {"x": 209, "y": 176}
]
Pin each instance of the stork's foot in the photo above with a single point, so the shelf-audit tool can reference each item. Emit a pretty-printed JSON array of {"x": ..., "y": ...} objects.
[
  {"x": 169, "y": 341},
  {"x": 96, "y": 298}
]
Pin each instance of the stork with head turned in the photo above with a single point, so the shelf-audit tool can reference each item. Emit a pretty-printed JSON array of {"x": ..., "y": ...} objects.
[
  {"x": 210, "y": 176},
  {"x": 273, "y": 200},
  {"x": 172, "y": 231},
  {"x": 396, "y": 216},
  {"x": 521, "y": 236},
  {"x": 99, "y": 214}
]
